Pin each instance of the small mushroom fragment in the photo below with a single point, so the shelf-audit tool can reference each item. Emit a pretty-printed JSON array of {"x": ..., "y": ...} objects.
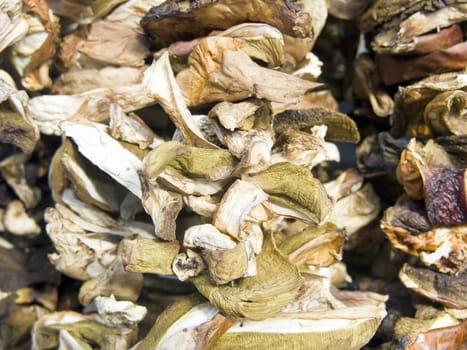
[
  {"x": 448, "y": 290},
  {"x": 188, "y": 264},
  {"x": 207, "y": 237},
  {"x": 119, "y": 313},
  {"x": 13, "y": 23},
  {"x": 17, "y": 221},
  {"x": 197, "y": 18},
  {"x": 148, "y": 255}
]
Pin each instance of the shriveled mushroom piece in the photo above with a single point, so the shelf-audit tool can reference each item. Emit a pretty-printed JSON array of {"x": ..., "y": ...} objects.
[
  {"x": 219, "y": 70},
  {"x": 17, "y": 221},
  {"x": 189, "y": 19},
  {"x": 276, "y": 283},
  {"x": 448, "y": 290},
  {"x": 188, "y": 264},
  {"x": 407, "y": 227},
  {"x": 293, "y": 191},
  {"x": 13, "y": 23}
]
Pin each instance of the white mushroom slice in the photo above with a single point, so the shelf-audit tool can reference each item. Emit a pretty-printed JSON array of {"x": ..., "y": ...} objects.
[
  {"x": 201, "y": 205},
  {"x": 130, "y": 128},
  {"x": 348, "y": 182},
  {"x": 310, "y": 67},
  {"x": 119, "y": 313},
  {"x": 102, "y": 150},
  {"x": 13, "y": 24},
  {"x": 18, "y": 222},
  {"x": 207, "y": 237},
  {"x": 235, "y": 205},
  {"x": 187, "y": 264}
]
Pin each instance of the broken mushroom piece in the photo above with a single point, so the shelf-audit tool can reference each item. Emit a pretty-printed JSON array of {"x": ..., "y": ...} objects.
[{"x": 190, "y": 19}]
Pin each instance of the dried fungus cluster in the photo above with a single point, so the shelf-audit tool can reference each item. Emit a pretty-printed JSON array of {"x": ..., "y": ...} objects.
[{"x": 190, "y": 174}]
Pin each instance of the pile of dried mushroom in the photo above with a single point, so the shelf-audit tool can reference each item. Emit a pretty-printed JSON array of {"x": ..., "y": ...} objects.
[{"x": 180, "y": 174}]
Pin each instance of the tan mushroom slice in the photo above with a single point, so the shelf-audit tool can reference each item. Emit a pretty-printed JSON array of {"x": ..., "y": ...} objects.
[
  {"x": 169, "y": 96},
  {"x": 235, "y": 205},
  {"x": 188, "y": 264},
  {"x": 306, "y": 149},
  {"x": 448, "y": 290},
  {"x": 197, "y": 18},
  {"x": 430, "y": 328},
  {"x": 13, "y": 24},
  {"x": 130, "y": 128},
  {"x": 78, "y": 81},
  {"x": 148, "y": 255},
  {"x": 296, "y": 190},
  {"x": 32, "y": 55},
  {"x": 219, "y": 70},
  {"x": 340, "y": 126},
  {"x": 114, "y": 281},
  {"x": 95, "y": 143},
  {"x": 163, "y": 206},
  {"x": 17, "y": 221},
  {"x": 276, "y": 283},
  {"x": 72, "y": 330},
  {"x": 107, "y": 43}
]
